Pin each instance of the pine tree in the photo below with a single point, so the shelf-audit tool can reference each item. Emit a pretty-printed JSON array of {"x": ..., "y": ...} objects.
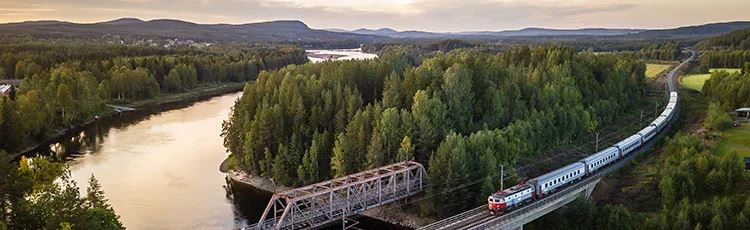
[
  {"x": 406, "y": 151},
  {"x": 459, "y": 97},
  {"x": 393, "y": 92}
]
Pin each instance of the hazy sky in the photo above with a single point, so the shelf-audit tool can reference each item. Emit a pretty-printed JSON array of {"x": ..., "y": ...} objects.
[{"x": 431, "y": 15}]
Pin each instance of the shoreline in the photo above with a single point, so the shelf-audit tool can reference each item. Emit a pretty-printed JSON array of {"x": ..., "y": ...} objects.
[{"x": 158, "y": 104}]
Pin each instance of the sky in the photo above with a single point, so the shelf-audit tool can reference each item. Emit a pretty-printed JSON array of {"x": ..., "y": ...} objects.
[{"x": 427, "y": 15}]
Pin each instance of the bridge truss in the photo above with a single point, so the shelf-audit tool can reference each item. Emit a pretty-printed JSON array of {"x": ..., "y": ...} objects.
[{"x": 325, "y": 202}]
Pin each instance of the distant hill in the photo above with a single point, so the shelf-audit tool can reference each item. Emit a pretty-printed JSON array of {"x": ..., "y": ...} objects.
[
  {"x": 705, "y": 30},
  {"x": 273, "y": 31},
  {"x": 567, "y": 32},
  {"x": 736, "y": 40},
  {"x": 507, "y": 33},
  {"x": 298, "y": 32},
  {"x": 388, "y": 32}
]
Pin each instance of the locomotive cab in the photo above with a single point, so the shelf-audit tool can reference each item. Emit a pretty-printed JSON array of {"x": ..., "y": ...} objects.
[{"x": 496, "y": 203}]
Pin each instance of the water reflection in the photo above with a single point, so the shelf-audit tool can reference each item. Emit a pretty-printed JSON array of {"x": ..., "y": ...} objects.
[{"x": 160, "y": 169}]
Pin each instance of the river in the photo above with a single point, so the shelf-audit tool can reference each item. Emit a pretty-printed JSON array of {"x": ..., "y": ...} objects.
[
  {"x": 159, "y": 170},
  {"x": 339, "y": 54}
]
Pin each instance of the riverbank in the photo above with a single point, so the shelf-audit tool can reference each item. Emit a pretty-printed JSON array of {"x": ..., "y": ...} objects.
[{"x": 199, "y": 93}]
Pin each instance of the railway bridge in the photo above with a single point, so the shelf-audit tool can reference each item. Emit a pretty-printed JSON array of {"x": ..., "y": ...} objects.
[{"x": 323, "y": 203}]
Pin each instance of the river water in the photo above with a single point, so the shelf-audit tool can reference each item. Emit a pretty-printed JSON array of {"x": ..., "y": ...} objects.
[
  {"x": 339, "y": 54},
  {"x": 159, "y": 170}
]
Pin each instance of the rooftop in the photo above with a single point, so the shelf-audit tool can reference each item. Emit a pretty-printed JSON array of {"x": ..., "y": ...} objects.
[
  {"x": 5, "y": 89},
  {"x": 742, "y": 110}
]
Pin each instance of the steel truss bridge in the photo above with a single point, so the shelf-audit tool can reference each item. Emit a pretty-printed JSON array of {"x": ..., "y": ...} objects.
[{"x": 323, "y": 203}]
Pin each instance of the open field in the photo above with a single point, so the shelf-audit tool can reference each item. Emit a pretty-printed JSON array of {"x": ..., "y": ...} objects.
[
  {"x": 735, "y": 139},
  {"x": 653, "y": 70},
  {"x": 696, "y": 81}
]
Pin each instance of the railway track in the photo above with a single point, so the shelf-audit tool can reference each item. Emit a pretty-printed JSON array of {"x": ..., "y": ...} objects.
[{"x": 479, "y": 217}]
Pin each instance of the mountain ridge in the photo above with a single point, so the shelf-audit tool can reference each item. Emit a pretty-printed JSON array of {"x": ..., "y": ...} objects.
[
  {"x": 268, "y": 31},
  {"x": 708, "y": 29}
]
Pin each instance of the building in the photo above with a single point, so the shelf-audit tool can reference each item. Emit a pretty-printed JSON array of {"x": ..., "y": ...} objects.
[
  {"x": 5, "y": 90},
  {"x": 8, "y": 86},
  {"x": 742, "y": 114}
]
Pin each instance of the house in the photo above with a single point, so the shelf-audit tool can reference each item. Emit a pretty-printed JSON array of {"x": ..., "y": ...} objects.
[
  {"x": 742, "y": 114},
  {"x": 5, "y": 90},
  {"x": 8, "y": 86}
]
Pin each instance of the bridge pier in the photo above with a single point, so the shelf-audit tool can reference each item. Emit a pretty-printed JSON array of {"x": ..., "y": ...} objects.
[{"x": 590, "y": 189}]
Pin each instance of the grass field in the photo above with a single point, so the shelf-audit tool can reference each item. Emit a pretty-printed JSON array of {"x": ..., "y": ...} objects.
[
  {"x": 696, "y": 81},
  {"x": 653, "y": 70},
  {"x": 735, "y": 139}
]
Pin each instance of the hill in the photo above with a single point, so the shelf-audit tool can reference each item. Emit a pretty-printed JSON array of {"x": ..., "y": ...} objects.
[
  {"x": 739, "y": 40},
  {"x": 697, "y": 31},
  {"x": 272, "y": 31},
  {"x": 388, "y": 32},
  {"x": 564, "y": 32},
  {"x": 706, "y": 30}
]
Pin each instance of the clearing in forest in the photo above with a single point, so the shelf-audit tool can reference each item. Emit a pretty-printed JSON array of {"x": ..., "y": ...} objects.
[
  {"x": 735, "y": 139},
  {"x": 654, "y": 69},
  {"x": 696, "y": 81}
]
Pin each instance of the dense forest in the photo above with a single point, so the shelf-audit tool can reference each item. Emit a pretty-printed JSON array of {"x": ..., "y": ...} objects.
[
  {"x": 660, "y": 51},
  {"x": 66, "y": 83},
  {"x": 730, "y": 89},
  {"x": 462, "y": 114},
  {"x": 737, "y": 40},
  {"x": 730, "y": 50}
]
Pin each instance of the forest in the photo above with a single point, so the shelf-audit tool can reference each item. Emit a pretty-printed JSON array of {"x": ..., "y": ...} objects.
[
  {"x": 730, "y": 50},
  {"x": 462, "y": 114},
  {"x": 39, "y": 194},
  {"x": 68, "y": 82}
]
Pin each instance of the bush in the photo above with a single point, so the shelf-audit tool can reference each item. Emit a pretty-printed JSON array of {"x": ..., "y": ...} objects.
[{"x": 717, "y": 118}]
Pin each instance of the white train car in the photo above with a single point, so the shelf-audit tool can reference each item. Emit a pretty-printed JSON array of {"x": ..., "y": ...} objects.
[
  {"x": 600, "y": 159},
  {"x": 668, "y": 113},
  {"x": 660, "y": 122},
  {"x": 647, "y": 133},
  {"x": 629, "y": 144},
  {"x": 550, "y": 181},
  {"x": 671, "y": 105}
]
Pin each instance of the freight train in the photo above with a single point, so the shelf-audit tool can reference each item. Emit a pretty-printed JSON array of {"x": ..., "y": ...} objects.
[{"x": 543, "y": 185}]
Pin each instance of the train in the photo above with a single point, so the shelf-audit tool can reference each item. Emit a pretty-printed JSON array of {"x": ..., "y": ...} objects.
[{"x": 539, "y": 187}]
